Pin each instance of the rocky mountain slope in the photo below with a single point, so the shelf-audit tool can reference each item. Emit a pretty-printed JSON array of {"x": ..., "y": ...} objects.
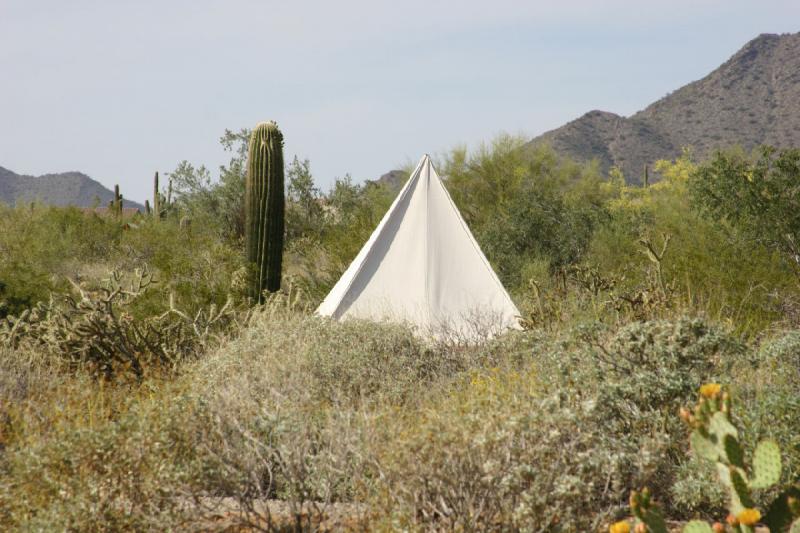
[
  {"x": 67, "y": 188},
  {"x": 753, "y": 98}
]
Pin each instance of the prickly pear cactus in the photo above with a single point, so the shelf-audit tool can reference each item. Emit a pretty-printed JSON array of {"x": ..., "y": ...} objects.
[
  {"x": 716, "y": 439},
  {"x": 697, "y": 526},
  {"x": 766, "y": 465},
  {"x": 783, "y": 513},
  {"x": 647, "y": 513}
]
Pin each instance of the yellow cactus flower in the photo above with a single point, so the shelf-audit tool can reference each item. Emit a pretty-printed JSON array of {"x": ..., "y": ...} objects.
[
  {"x": 709, "y": 390},
  {"x": 749, "y": 517},
  {"x": 620, "y": 527}
]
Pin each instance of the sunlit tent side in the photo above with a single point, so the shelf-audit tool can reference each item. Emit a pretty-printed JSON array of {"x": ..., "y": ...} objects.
[{"x": 422, "y": 266}]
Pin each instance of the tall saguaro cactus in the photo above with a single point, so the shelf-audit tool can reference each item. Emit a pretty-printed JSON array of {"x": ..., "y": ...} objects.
[
  {"x": 264, "y": 208},
  {"x": 156, "y": 199},
  {"x": 115, "y": 205}
]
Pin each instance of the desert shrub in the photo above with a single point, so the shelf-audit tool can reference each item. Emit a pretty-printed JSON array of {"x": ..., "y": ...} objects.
[
  {"x": 524, "y": 205},
  {"x": 754, "y": 193},
  {"x": 532, "y": 431},
  {"x": 766, "y": 388},
  {"x": 781, "y": 355},
  {"x": 97, "y": 463},
  {"x": 643, "y": 373},
  {"x": 652, "y": 365},
  {"x": 192, "y": 266},
  {"x": 499, "y": 452},
  {"x": 93, "y": 330},
  {"x": 297, "y": 428},
  {"x": 344, "y": 363},
  {"x": 537, "y": 443},
  {"x": 714, "y": 268},
  {"x": 41, "y": 245}
]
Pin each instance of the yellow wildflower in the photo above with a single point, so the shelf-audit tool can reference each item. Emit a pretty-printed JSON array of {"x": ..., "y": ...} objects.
[
  {"x": 709, "y": 390},
  {"x": 620, "y": 527},
  {"x": 749, "y": 517}
]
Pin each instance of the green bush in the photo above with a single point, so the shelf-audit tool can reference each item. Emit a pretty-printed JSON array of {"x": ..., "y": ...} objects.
[{"x": 40, "y": 246}]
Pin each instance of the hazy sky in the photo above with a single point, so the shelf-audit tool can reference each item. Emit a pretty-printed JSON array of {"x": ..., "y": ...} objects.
[{"x": 118, "y": 89}]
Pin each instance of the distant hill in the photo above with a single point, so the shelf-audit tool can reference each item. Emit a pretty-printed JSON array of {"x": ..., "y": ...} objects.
[
  {"x": 394, "y": 179},
  {"x": 67, "y": 188},
  {"x": 752, "y": 99}
]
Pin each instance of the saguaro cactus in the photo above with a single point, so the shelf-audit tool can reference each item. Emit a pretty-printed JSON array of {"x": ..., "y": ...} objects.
[
  {"x": 156, "y": 199},
  {"x": 115, "y": 205},
  {"x": 264, "y": 208}
]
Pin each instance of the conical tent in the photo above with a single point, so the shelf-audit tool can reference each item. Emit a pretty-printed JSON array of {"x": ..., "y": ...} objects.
[{"x": 422, "y": 266}]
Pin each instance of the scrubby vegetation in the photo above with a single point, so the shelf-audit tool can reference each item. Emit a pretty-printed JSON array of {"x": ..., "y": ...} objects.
[{"x": 140, "y": 389}]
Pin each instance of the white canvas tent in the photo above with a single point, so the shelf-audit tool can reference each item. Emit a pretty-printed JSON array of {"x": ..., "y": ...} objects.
[{"x": 422, "y": 266}]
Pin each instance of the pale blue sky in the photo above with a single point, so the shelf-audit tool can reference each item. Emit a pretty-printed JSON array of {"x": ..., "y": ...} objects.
[{"x": 119, "y": 89}]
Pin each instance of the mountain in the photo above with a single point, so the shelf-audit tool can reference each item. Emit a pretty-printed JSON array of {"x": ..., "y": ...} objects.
[
  {"x": 751, "y": 99},
  {"x": 67, "y": 188},
  {"x": 394, "y": 179}
]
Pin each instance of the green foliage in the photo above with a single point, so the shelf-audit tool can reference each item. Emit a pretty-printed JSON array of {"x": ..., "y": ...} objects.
[
  {"x": 40, "y": 246},
  {"x": 524, "y": 206},
  {"x": 709, "y": 267},
  {"x": 756, "y": 194},
  {"x": 218, "y": 204},
  {"x": 304, "y": 211}
]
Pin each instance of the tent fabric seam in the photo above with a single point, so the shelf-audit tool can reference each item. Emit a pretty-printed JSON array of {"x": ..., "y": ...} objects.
[{"x": 378, "y": 232}]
